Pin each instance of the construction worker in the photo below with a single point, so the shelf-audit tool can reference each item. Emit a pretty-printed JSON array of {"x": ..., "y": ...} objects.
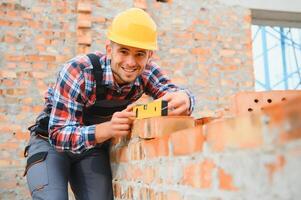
[{"x": 90, "y": 103}]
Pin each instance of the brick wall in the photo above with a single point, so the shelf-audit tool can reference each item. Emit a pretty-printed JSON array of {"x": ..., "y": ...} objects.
[
  {"x": 252, "y": 156},
  {"x": 204, "y": 40}
]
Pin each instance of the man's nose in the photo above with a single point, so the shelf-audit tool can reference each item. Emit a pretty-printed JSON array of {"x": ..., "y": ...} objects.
[{"x": 131, "y": 61}]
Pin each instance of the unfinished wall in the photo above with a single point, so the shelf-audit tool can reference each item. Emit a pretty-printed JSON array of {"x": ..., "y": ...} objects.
[
  {"x": 203, "y": 45},
  {"x": 252, "y": 156}
]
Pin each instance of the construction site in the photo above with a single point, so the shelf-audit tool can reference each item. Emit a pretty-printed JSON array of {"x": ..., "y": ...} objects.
[{"x": 240, "y": 59}]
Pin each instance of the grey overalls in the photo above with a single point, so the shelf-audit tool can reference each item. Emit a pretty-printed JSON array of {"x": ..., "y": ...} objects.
[{"x": 89, "y": 174}]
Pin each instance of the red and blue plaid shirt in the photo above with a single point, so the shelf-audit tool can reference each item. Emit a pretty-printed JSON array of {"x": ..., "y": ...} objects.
[{"x": 75, "y": 88}]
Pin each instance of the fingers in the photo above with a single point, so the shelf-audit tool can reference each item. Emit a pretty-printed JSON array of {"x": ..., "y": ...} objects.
[
  {"x": 124, "y": 114},
  {"x": 178, "y": 103},
  {"x": 177, "y": 111},
  {"x": 121, "y": 122},
  {"x": 129, "y": 108}
]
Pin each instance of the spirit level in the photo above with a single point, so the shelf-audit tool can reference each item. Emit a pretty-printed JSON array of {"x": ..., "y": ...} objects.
[{"x": 153, "y": 109}]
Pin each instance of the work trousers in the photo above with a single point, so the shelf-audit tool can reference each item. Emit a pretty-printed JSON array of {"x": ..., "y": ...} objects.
[{"x": 89, "y": 173}]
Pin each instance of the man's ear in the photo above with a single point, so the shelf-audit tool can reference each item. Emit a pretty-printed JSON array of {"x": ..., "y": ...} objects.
[
  {"x": 150, "y": 55},
  {"x": 109, "y": 50}
]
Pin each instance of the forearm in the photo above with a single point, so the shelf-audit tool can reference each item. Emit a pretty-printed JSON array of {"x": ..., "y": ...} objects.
[{"x": 102, "y": 132}]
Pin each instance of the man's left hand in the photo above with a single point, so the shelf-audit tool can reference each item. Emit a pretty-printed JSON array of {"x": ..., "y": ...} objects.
[{"x": 178, "y": 103}]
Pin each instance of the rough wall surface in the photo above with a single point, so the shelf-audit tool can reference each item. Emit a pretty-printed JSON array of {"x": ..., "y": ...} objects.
[
  {"x": 204, "y": 45},
  {"x": 252, "y": 156}
]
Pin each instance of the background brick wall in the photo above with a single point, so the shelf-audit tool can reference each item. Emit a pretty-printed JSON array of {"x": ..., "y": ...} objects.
[{"x": 203, "y": 45}]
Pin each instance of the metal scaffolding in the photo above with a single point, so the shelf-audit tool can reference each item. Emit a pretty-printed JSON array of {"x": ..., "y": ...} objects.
[{"x": 277, "y": 58}]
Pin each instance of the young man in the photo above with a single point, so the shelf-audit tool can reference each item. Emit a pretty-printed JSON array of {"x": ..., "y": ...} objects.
[{"x": 89, "y": 105}]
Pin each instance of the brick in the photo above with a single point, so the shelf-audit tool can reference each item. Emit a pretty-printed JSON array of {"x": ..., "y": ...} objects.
[
  {"x": 86, "y": 40},
  {"x": 84, "y": 7},
  {"x": 84, "y": 24},
  {"x": 173, "y": 195},
  {"x": 201, "y": 52},
  {"x": 10, "y": 39},
  {"x": 147, "y": 193},
  {"x": 148, "y": 175},
  {"x": 247, "y": 102},
  {"x": 122, "y": 154},
  {"x": 140, "y": 4},
  {"x": 128, "y": 193},
  {"x": 154, "y": 148},
  {"x": 14, "y": 58},
  {"x": 187, "y": 141},
  {"x": 199, "y": 175},
  {"x": 207, "y": 167},
  {"x": 39, "y": 75},
  {"x": 227, "y": 52},
  {"x": 8, "y": 74},
  {"x": 286, "y": 112},
  {"x": 99, "y": 19},
  {"x": 117, "y": 189},
  {"x": 225, "y": 181},
  {"x": 177, "y": 51},
  {"x": 9, "y": 146},
  {"x": 136, "y": 152},
  {"x": 276, "y": 166},
  {"x": 235, "y": 133},
  {"x": 159, "y": 126},
  {"x": 4, "y": 22}
]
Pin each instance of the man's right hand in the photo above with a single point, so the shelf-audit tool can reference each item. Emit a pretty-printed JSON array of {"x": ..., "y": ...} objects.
[{"x": 119, "y": 125}]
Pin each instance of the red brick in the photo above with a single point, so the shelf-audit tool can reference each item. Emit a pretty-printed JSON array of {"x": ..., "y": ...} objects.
[
  {"x": 235, "y": 133},
  {"x": 14, "y": 58},
  {"x": 225, "y": 181},
  {"x": 99, "y": 19},
  {"x": 154, "y": 148},
  {"x": 201, "y": 52},
  {"x": 84, "y": 24},
  {"x": 173, "y": 195},
  {"x": 8, "y": 74},
  {"x": 122, "y": 154},
  {"x": 187, "y": 141},
  {"x": 275, "y": 166},
  {"x": 9, "y": 146},
  {"x": 227, "y": 52},
  {"x": 199, "y": 175},
  {"x": 4, "y": 22},
  {"x": 84, "y": 7},
  {"x": 140, "y": 4},
  {"x": 148, "y": 175},
  {"x": 136, "y": 152},
  {"x": 84, "y": 40},
  {"x": 159, "y": 126}
]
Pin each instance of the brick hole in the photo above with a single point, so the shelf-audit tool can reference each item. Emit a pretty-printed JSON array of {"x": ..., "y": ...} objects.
[
  {"x": 163, "y": 1},
  {"x": 250, "y": 109},
  {"x": 256, "y": 100},
  {"x": 269, "y": 100},
  {"x": 283, "y": 99}
]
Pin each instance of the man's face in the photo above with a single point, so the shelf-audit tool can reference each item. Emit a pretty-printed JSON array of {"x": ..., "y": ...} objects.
[{"x": 127, "y": 62}]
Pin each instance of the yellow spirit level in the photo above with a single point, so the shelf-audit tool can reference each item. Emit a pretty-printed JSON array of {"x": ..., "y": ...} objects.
[{"x": 153, "y": 109}]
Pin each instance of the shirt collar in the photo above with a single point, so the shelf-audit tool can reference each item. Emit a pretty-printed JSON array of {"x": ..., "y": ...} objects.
[{"x": 109, "y": 79}]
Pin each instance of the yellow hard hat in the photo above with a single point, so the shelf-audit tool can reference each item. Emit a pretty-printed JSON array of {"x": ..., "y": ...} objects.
[{"x": 135, "y": 28}]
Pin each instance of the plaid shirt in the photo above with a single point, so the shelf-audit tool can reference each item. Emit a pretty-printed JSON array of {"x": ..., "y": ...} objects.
[{"x": 75, "y": 88}]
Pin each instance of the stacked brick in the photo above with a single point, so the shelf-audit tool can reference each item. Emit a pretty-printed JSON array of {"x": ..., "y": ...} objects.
[{"x": 252, "y": 156}]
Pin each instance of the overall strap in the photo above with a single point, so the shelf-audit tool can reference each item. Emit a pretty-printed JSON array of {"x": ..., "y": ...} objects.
[{"x": 97, "y": 72}]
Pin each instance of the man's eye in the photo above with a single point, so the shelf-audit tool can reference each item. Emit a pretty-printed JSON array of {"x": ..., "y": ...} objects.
[
  {"x": 141, "y": 54},
  {"x": 124, "y": 52}
]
